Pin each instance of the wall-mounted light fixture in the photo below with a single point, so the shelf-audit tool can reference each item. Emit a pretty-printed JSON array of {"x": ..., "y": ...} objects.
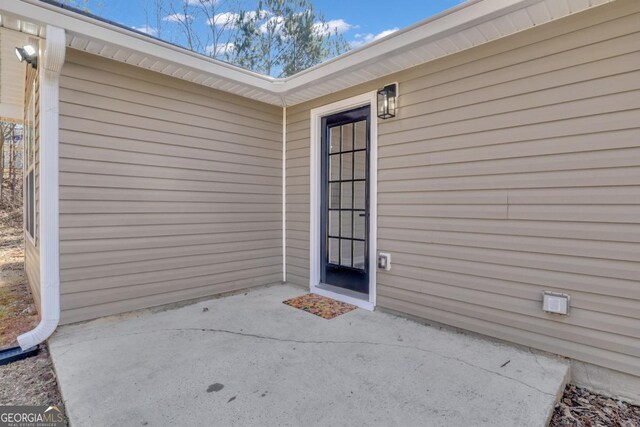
[
  {"x": 29, "y": 54},
  {"x": 387, "y": 101}
]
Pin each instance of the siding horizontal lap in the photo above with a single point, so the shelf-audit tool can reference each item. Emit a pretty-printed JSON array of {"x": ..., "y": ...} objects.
[
  {"x": 560, "y": 85},
  {"x": 593, "y": 326},
  {"x": 512, "y": 121},
  {"x": 32, "y": 249},
  {"x": 589, "y": 213},
  {"x": 604, "y": 177},
  {"x": 624, "y": 251},
  {"x": 143, "y": 206},
  {"x": 155, "y": 183},
  {"x": 177, "y": 120},
  {"x": 617, "y": 158},
  {"x": 173, "y": 295},
  {"x": 91, "y": 93},
  {"x": 613, "y": 232},
  {"x": 543, "y": 148},
  {"x": 552, "y": 75},
  {"x": 519, "y": 283},
  {"x": 170, "y": 273},
  {"x": 184, "y": 147},
  {"x": 629, "y": 195},
  {"x": 535, "y": 133},
  {"x": 32, "y": 269},
  {"x": 75, "y": 300},
  {"x": 137, "y": 125},
  {"x": 174, "y": 219},
  {"x": 168, "y": 191},
  {"x": 543, "y": 261},
  {"x": 157, "y": 241},
  {"x": 121, "y": 257},
  {"x": 76, "y": 152},
  {"x": 178, "y": 260},
  {"x": 568, "y": 281},
  {"x": 80, "y": 193}
]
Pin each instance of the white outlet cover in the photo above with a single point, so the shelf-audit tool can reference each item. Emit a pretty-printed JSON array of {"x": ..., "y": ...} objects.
[{"x": 387, "y": 263}]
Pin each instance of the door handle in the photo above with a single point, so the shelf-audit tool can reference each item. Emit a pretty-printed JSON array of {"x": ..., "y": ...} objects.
[{"x": 363, "y": 215}]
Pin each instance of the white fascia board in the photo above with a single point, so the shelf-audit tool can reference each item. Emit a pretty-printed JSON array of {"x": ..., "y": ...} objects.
[
  {"x": 43, "y": 13},
  {"x": 453, "y": 20}
]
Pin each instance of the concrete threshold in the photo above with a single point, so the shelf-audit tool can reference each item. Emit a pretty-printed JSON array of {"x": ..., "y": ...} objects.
[{"x": 248, "y": 359}]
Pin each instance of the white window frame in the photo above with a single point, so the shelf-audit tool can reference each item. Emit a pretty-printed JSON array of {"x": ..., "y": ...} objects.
[
  {"x": 315, "y": 286},
  {"x": 29, "y": 166}
]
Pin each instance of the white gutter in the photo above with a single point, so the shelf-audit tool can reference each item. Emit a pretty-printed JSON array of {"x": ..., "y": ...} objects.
[
  {"x": 284, "y": 194},
  {"x": 50, "y": 64}
]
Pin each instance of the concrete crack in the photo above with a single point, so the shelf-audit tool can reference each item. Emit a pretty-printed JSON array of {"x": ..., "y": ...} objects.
[
  {"x": 297, "y": 341},
  {"x": 535, "y": 356},
  {"x": 270, "y": 338}
]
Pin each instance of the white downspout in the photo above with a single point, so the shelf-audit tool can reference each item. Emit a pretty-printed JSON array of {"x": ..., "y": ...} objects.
[
  {"x": 49, "y": 64},
  {"x": 284, "y": 192}
]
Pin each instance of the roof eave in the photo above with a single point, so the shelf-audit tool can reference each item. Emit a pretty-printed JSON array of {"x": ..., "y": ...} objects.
[{"x": 459, "y": 28}]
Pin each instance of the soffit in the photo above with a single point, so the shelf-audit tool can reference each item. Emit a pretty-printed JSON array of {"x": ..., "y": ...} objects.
[{"x": 471, "y": 24}]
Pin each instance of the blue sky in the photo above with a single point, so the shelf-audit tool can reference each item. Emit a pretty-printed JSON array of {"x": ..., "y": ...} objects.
[{"x": 360, "y": 21}]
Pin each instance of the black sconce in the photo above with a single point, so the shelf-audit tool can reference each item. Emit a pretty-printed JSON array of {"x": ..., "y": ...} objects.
[
  {"x": 29, "y": 54},
  {"x": 387, "y": 100}
]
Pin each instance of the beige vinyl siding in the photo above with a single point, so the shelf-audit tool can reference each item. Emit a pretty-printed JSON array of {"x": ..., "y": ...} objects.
[
  {"x": 510, "y": 169},
  {"x": 32, "y": 251},
  {"x": 168, "y": 191}
]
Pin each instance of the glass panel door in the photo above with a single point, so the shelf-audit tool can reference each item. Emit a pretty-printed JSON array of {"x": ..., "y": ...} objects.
[{"x": 345, "y": 207}]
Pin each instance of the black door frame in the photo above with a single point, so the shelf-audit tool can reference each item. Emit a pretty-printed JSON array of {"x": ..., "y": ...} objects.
[{"x": 351, "y": 278}]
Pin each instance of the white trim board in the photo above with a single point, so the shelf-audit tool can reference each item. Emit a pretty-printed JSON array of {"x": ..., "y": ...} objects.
[
  {"x": 315, "y": 191},
  {"x": 284, "y": 194}
]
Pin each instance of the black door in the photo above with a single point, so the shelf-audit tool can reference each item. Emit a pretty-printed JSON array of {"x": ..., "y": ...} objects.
[{"x": 345, "y": 200}]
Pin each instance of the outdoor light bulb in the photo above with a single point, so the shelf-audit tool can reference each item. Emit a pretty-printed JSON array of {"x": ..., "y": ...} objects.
[
  {"x": 28, "y": 53},
  {"x": 382, "y": 103},
  {"x": 20, "y": 54},
  {"x": 29, "y": 50}
]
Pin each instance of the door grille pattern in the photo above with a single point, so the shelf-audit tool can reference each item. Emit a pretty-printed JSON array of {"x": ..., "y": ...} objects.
[{"x": 347, "y": 178}]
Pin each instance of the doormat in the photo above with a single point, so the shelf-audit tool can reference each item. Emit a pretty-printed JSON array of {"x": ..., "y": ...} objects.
[{"x": 324, "y": 307}]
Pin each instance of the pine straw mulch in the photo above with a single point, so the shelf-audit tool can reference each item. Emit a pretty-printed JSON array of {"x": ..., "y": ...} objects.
[
  {"x": 581, "y": 408},
  {"x": 31, "y": 381}
]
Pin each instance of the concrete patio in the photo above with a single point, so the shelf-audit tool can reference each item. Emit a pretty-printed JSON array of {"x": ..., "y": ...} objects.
[{"x": 248, "y": 359}]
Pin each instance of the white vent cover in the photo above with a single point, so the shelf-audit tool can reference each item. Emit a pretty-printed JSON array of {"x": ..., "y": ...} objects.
[{"x": 556, "y": 303}]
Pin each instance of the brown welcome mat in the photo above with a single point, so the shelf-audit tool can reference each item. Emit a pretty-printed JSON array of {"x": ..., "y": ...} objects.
[{"x": 324, "y": 307}]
